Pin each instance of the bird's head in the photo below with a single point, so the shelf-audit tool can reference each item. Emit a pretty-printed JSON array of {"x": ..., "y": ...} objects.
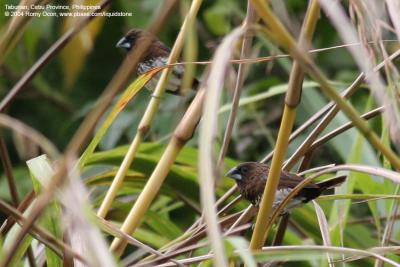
[
  {"x": 155, "y": 48},
  {"x": 130, "y": 39},
  {"x": 248, "y": 172}
]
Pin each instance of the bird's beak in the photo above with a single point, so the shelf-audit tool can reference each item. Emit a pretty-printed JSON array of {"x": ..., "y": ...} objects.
[
  {"x": 234, "y": 174},
  {"x": 123, "y": 43}
]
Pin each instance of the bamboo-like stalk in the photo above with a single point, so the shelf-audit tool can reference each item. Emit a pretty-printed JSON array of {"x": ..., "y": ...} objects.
[
  {"x": 331, "y": 114},
  {"x": 119, "y": 177},
  {"x": 182, "y": 134},
  {"x": 190, "y": 50},
  {"x": 292, "y": 99},
  {"x": 303, "y": 148},
  {"x": 79, "y": 137},
  {"x": 285, "y": 40},
  {"x": 149, "y": 114},
  {"x": 346, "y": 94},
  {"x": 257, "y": 239}
]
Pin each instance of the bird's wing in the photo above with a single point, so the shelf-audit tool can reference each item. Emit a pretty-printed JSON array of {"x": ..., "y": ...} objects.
[{"x": 291, "y": 180}]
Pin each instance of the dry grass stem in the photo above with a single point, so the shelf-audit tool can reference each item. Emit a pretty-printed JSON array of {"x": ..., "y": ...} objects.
[
  {"x": 208, "y": 129},
  {"x": 148, "y": 116},
  {"x": 159, "y": 174},
  {"x": 292, "y": 99},
  {"x": 287, "y": 41}
]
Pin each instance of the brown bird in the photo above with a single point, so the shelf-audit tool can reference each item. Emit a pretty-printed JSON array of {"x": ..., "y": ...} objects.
[
  {"x": 156, "y": 55},
  {"x": 252, "y": 176}
]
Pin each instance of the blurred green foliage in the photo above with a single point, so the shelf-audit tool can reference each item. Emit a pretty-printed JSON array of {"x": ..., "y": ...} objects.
[
  {"x": 55, "y": 108},
  {"x": 49, "y": 99}
]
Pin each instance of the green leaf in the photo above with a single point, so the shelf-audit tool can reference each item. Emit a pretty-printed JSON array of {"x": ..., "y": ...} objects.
[
  {"x": 181, "y": 181},
  {"x": 162, "y": 225},
  {"x": 42, "y": 172},
  {"x": 10, "y": 239},
  {"x": 360, "y": 151},
  {"x": 150, "y": 238},
  {"x": 241, "y": 245},
  {"x": 272, "y": 91},
  {"x": 129, "y": 93},
  {"x": 216, "y": 18}
]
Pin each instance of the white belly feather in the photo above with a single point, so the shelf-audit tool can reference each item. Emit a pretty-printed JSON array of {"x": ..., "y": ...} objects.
[{"x": 280, "y": 195}]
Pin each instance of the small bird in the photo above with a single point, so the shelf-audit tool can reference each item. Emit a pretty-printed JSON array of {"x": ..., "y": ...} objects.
[
  {"x": 251, "y": 178},
  {"x": 156, "y": 56}
]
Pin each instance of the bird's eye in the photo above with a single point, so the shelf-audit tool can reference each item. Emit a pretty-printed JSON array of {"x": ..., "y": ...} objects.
[{"x": 244, "y": 170}]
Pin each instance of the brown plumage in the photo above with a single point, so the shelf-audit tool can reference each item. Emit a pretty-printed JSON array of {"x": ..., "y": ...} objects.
[
  {"x": 251, "y": 178},
  {"x": 156, "y": 55}
]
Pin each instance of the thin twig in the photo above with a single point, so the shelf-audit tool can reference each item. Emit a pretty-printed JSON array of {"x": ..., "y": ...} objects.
[
  {"x": 41, "y": 234},
  {"x": 369, "y": 115},
  {"x": 79, "y": 139},
  {"x": 246, "y": 46},
  {"x": 5, "y": 159}
]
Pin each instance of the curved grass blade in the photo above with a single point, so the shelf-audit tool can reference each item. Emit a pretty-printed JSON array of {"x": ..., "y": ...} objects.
[{"x": 129, "y": 93}]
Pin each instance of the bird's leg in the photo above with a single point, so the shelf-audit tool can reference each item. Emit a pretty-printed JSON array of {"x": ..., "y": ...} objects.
[{"x": 282, "y": 229}]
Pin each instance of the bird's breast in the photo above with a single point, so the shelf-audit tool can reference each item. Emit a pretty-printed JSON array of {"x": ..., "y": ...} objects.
[
  {"x": 151, "y": 64},
  {"x": 280, "y": 195},
  {"x": 174, "y": 82}
]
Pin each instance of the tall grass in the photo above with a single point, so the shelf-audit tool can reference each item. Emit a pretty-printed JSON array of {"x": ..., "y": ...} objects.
[{"x": 162, "y": 200}]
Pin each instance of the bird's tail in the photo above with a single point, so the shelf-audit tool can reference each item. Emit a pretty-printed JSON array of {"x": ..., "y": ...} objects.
[{"x": 331, "y": 183}]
